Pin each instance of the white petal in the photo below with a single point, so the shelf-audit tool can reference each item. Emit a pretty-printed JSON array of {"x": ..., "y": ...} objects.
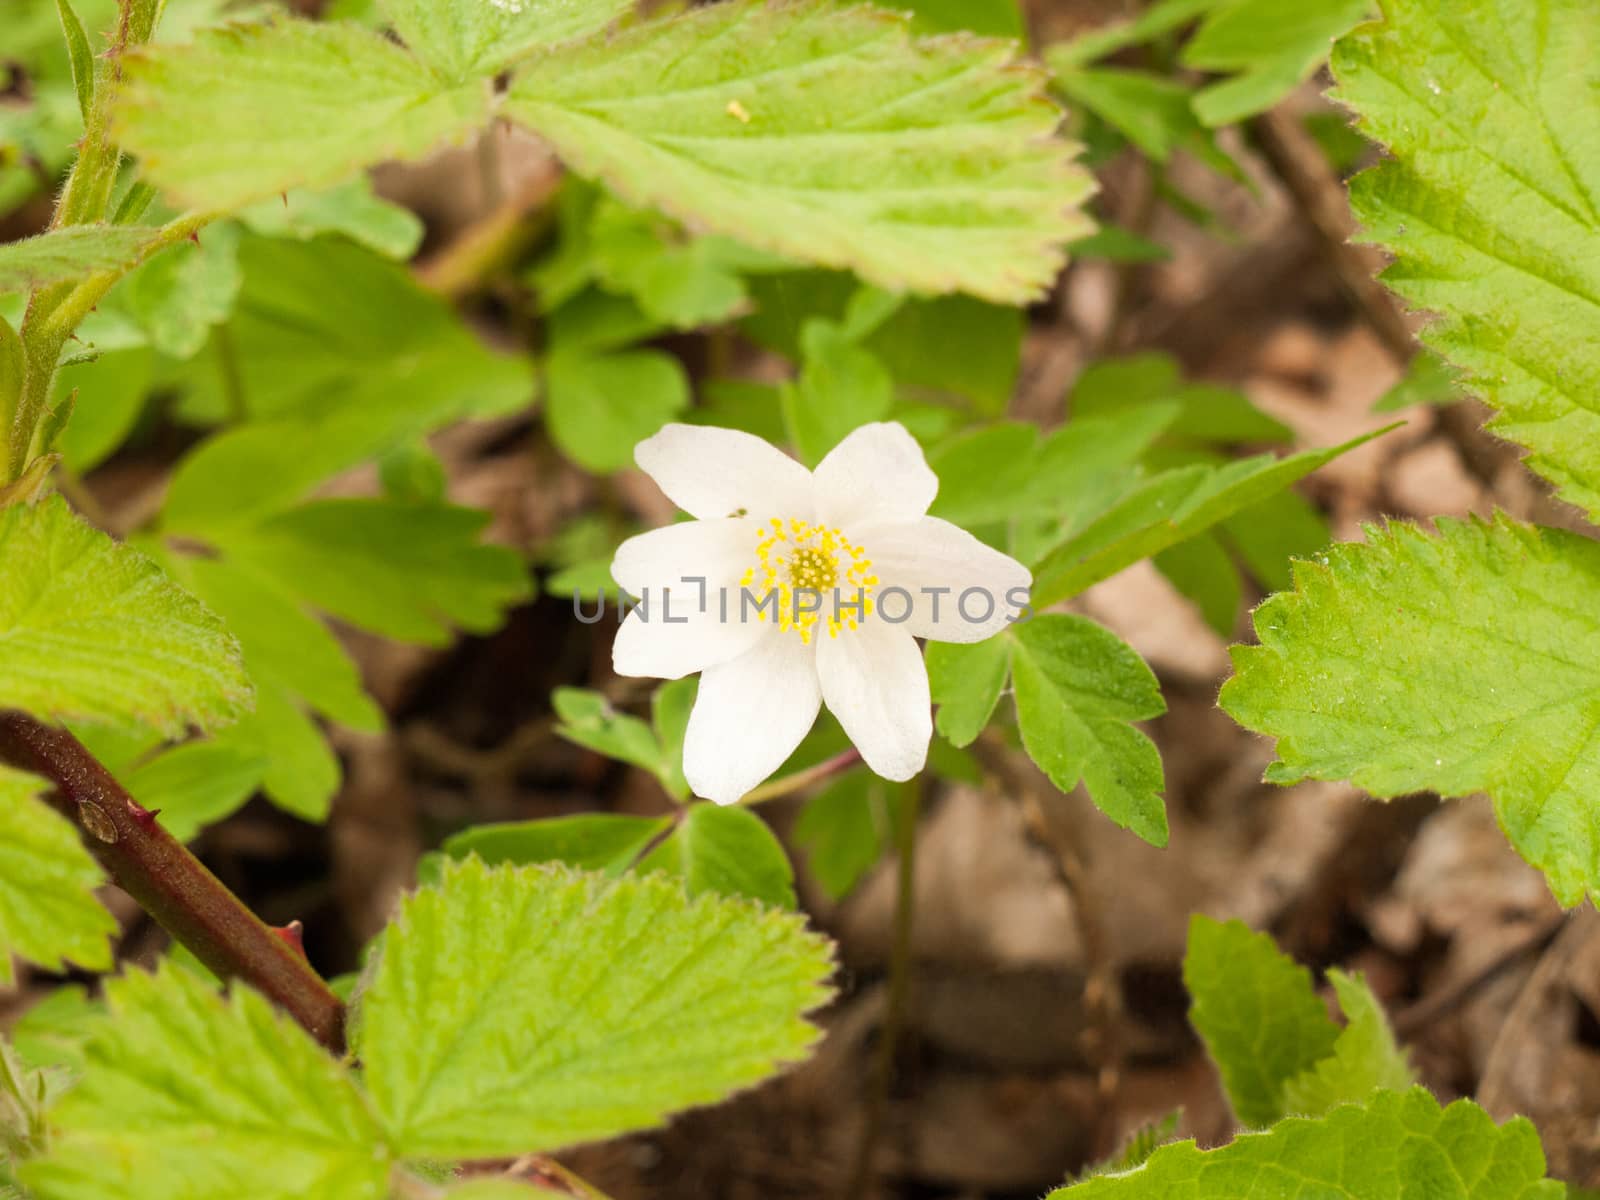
[
  {"x": 878, "y": 473},
  {"x": 750, "y": 715},
  {"x": 874, "y": 682},
  {"x": 984, "y": 590},
  {"x": 657, "y": 648},
  {"x": 712, "y": 472},
  {"x": 674, "y": 556}
]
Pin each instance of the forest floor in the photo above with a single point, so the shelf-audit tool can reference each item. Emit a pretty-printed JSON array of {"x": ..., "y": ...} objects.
[{"x": 1047, "y": 1011}]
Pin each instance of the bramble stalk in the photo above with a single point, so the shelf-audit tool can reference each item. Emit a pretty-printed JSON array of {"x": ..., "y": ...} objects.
[{"x": 170, "y": 883}]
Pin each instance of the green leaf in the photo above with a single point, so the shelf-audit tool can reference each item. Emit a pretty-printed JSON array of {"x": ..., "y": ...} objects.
[
  {"x": 1079, "y": 688},
  {"x": 1454, "y": 664},
  {"x": 92, "y": 631},
  {"x": 588, "y": 719},
  {"x": 1428, "y": 380},
  {"x": 1209, "y": 414},
  {"x": 178, "y": 295},
  {"x": 726, "y": 852},
  {"x": 1005, "y": 472},
  {"x": 845, "y": 828},
  {"x": 1490, "y": 194},
  {"x": 1365, "y": 1058},
  {"x": 1202, "y": 570},
  {"x": 48, "y": 912},
  {"x": 111, "y": 393},
  {"x": 826, "y": 134},
  {"x": 583, "y": 1008},
  {"x": 344, "y": 359},
  {"x": 1258, "y": 1013},
  {"x": 1275, "y": 47},
  {"x": 81, "y": 57},
  {"x": 220, "y": 1087},
  {"x": 605, "y": 842},
  {"x": 73, "y": 252},
  {"x": 350, "y": 209},
  {"x": 405, "y": 571},
  {"x": 1158, "y": 19},
  {"x": 966, "y": 681},
  {"x": 466, "y": 41},
  {"x": 948, "y": 345},
  {"x": 1151, "y": 111},
  {"x": 196, "y": 784},
  {"x": 841, "y": 387},
  {"x": 599, "y": 406},
  {"x": 241, "y": 113},
  {"x": 992, "y": 18},
  {"x": 1118, "y": 245},
  {"x": 1167, "y": 509},
  {"x": 1398, "y": 1146},
  {"x": 669, "y": 713}
]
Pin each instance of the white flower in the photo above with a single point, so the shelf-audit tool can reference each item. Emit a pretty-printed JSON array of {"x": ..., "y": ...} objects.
[{"x": 771, "y": 540}]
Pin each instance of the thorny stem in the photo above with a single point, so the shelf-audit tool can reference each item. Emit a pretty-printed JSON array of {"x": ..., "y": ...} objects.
[
  {"x": 895, "y": 1015},
  {"x": 788, "y": 785},
  {"x": 169, "y": 883}
]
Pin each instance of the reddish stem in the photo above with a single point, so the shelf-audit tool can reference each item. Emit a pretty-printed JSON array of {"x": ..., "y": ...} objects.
[{"x": 171, "y": 884}]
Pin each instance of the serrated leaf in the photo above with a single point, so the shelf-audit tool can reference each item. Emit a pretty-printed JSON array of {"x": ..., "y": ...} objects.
[
  {"x": 69, "y": 253},
  {"x": 48, "y": 911},
  {"x": 220, "y": 1088},
  {"x": 1274, "y": 46},
  {"x": 406, "y": 571},
  {"x": 1258, "y": 1013},
  {"x": 726, "y": 852},
  {"x": 1365, "y": 1058},
  {"x": 241, "y": 113},
  {"x": 1166, "y": 509},
  {"x": 1490, "y": 204},
  {"x": 823, "y": 133},
  {"x": 1398, "y": 1146},
  {"x": 478, "y": 38},
  {"x": 1079, "y": 688},
  {"x": 93, "y": 631},
  {"x": 1460, "y": 663},
  {"x": 521, "y": 1009}
]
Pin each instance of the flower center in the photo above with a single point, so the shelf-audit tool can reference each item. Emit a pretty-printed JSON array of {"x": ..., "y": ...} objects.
[{"x": 808, "y": 575}]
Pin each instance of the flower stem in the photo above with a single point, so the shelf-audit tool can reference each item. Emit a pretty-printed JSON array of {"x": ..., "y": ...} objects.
[
  {"x": 788, "y": 785},
  {"x": 171, "y": 884},
  {"x": 894, "y": 1021}
]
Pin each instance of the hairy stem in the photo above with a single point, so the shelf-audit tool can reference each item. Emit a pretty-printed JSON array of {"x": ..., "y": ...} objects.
[
  {"x": 53, "y": 315},
  {"x": 171, "y": 884}
]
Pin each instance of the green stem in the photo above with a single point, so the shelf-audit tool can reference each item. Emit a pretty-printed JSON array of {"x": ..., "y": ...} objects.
[
  {"x": 52, "y": 317},
  {"x": 87, "y": 194},
  {"x": 169, "y": 883},
  {"x": 894, "y": 1021},
  {"x": 788, "y": 785}
]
